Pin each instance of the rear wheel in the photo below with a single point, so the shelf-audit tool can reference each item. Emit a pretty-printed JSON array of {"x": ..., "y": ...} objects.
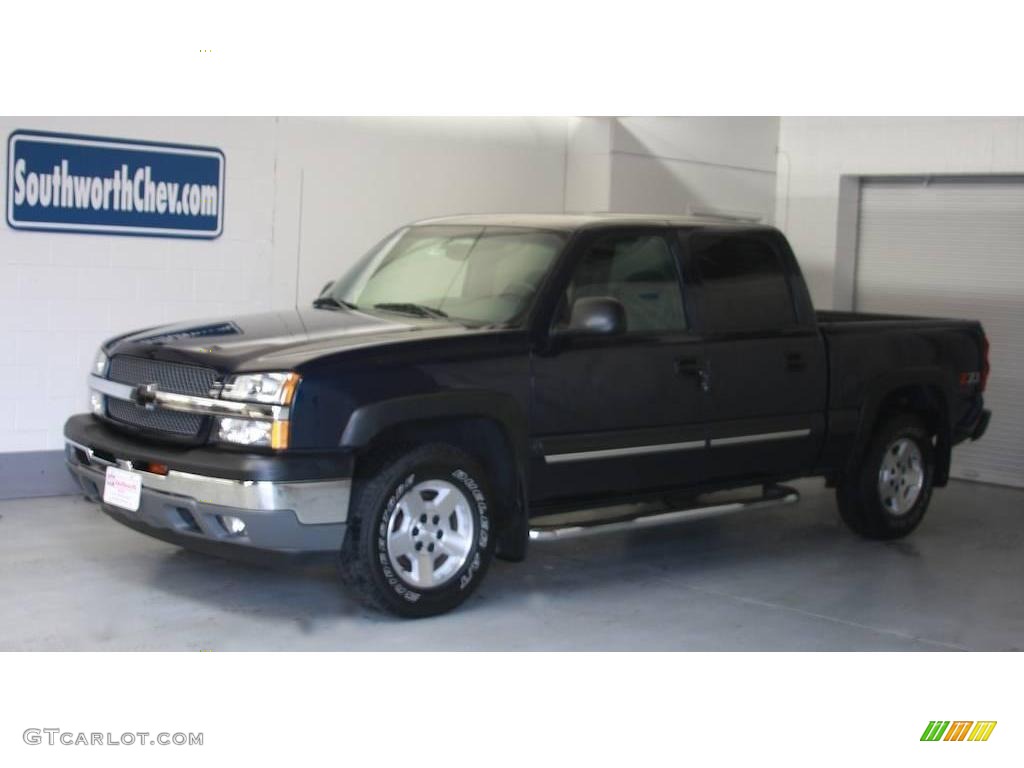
[
  {"x": 419, "y": 537},
  {"x": 887, "y": 494}
]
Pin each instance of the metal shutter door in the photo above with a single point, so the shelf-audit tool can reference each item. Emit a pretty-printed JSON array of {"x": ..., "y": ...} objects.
[{"x": 955, "y": 248}]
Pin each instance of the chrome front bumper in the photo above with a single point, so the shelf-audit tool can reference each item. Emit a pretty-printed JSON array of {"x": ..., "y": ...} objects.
[{"x": 293, "y": 517}]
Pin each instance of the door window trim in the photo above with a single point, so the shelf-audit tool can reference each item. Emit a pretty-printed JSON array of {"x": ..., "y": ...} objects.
[
  {"x": 578, "y": 251},
  {"x": 799, "y": 326}
]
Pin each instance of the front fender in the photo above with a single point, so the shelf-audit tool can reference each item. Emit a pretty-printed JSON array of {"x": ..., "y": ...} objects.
[{"x": 369, "y": 421}]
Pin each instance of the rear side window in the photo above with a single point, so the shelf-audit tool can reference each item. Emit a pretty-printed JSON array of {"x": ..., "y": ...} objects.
[{"x": 744, "y": 284}]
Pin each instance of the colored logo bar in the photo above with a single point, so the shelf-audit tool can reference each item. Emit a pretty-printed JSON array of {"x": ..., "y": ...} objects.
[{"x": 958, "y": 730}]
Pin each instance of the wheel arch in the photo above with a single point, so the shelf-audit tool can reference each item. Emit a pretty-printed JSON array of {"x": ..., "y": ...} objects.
[
  {"x": 490, "y": 426},
  {"x": 924, "y": 393}
]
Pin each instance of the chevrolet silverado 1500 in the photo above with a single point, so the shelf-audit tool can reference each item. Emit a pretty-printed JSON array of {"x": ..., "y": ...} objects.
[{"x": 474, "y": 380}]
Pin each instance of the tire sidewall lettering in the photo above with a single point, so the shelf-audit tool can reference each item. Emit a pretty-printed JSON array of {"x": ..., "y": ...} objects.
[
  {"x": 470, "y": 570},
  {"x": 392, "y": 578}
]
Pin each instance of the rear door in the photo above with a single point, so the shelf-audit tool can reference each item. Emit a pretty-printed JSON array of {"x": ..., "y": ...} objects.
[{"x": 765, "y": 359}]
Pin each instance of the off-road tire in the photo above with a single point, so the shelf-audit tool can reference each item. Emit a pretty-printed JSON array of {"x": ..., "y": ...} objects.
[
  {"x": 858, "y": 495},
  {"x": 364, "y": 566}
]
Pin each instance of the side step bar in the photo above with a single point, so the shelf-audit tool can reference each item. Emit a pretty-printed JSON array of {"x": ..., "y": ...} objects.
[{"x": 774, "y": 495}]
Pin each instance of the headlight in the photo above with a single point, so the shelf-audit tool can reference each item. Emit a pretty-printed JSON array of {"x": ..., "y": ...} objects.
[
  {"x": 276, "y": 388},
  {"x": 99, "y": 364},
  {"x": 270, "y": 388}
]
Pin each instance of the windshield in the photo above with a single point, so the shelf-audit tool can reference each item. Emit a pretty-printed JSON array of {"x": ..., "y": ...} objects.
[{"x": 475, "y": 274}]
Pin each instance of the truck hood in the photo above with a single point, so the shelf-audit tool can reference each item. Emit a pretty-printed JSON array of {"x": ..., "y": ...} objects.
[{"x": 275, "y": 340}]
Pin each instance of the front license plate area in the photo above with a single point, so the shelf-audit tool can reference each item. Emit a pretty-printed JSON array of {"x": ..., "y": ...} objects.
[{"x": 122, "y": 489}]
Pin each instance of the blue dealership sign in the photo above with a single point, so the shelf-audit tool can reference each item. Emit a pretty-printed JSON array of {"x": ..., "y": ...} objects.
[{"x": 64, "y": 183}]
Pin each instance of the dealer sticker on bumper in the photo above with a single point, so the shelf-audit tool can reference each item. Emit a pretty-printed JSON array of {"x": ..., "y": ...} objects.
[{"x": 122, "y": 489}]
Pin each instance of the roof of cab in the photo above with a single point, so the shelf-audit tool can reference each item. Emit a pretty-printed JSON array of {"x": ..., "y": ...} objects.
[{"x": 574, "y": 221}]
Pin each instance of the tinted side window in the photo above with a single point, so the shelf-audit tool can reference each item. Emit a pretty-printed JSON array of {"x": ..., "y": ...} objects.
[
  {"x": 638, "y": 270},
  {"x": 744, "y": 285}
]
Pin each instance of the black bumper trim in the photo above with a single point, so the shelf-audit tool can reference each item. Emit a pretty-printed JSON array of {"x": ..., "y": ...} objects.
[{"x": 204, "y": 460}]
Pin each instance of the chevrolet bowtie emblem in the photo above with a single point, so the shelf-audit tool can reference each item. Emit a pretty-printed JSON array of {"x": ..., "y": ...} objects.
[{"x": 145, "y": 395}]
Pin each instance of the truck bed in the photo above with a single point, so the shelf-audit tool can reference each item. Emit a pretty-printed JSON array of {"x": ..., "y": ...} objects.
[
  {"x": 831, "y": 321},
  {"x": 870, "y": 355}
]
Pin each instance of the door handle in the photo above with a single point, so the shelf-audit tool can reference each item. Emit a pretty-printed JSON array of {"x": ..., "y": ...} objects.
[
  {"x": 689, "y": 366},
  {"x": 795, "y": 361}
]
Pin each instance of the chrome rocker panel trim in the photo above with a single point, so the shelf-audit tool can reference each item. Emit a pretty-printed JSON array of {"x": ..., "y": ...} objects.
[
  {"x": 608, "y": 453},
  {"x": 640, "y": 450},
  {"x": 760, "y": 438}
]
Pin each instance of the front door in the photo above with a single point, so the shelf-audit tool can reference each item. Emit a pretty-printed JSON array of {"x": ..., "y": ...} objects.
[{"x": 620, "y": 414}]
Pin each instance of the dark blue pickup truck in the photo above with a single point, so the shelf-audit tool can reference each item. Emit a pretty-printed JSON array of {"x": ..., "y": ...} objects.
[{"x": 473, "y": 381}]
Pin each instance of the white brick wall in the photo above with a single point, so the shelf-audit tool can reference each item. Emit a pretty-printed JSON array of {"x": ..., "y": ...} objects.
[{"x": 61, "y": 294}]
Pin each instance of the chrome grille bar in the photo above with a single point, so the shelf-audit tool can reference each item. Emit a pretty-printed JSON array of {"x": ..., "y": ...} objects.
[{"x": 205, "y": 406}]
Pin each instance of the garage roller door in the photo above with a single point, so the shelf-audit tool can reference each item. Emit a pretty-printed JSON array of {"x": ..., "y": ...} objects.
[{"x": 955, "y": 248}]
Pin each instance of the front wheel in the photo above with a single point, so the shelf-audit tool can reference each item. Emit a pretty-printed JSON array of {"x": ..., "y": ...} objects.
[
  {"x": 419, "y": 537},
  {"x": 887, "y": 494}
]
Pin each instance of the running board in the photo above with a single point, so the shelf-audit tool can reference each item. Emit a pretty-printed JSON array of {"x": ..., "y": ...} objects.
[{"x": 775, "y": 495}]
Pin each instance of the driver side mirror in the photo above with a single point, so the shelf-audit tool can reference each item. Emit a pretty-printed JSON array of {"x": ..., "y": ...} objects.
[{"x": 601, "y": 315}]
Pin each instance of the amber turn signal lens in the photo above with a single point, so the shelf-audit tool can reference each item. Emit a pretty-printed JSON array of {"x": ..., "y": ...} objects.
[
  {"x": 157, "y": 469},
  {"x": 279, "y": 435},
  {"x": 288, "y": 388}
]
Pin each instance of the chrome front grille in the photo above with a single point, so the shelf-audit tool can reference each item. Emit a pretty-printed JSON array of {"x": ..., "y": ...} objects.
[
  {"x": 169, "y": 377},
  {"x": 184, "y": 424}
]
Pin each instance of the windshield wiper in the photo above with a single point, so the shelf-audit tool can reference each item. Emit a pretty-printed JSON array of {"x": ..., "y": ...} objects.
[
  {"x": 330, "y": 301},
  {"x": 410, "y": 308}
]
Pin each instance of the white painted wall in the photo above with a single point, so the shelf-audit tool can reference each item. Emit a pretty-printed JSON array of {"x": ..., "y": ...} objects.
[
  {"x": 360, "y": 178},
  {"x": 682, "y": 165},
  {"x": 695, "y": 165},
  {"x": 588, "y": 165},
  {"x": 814, "y": 152}
]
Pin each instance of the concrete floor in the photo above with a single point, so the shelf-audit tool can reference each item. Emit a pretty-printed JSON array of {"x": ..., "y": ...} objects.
[{"x": 787, "y": 578}]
